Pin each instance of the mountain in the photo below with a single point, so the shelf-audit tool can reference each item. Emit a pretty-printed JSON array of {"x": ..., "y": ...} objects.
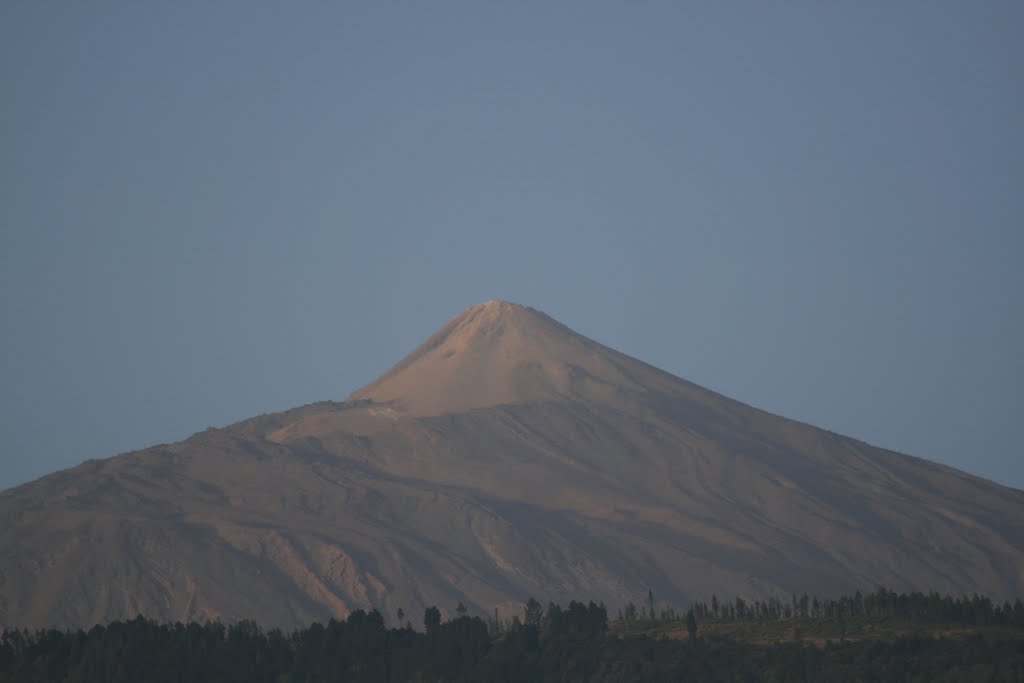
[{"x": 504, "y": 458}]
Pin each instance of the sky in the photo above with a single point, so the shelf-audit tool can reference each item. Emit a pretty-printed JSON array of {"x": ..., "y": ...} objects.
[{"x": 214, "y": 210}]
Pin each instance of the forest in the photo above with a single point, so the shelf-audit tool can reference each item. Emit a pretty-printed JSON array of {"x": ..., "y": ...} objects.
[{"x": 883, "y": 636}]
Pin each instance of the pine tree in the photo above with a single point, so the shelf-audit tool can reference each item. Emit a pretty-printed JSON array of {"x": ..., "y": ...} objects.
[
  {"x": 432, "y": 619},
  {"x": 534, "y": 613}
]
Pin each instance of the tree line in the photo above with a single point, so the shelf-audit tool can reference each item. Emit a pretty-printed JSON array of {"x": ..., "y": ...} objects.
[
  {"x": 925, "y": 608},
  {"x": 555, "y": 643}
]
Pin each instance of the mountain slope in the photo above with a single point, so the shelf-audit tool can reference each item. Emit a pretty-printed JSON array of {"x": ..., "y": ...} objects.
[{"x": 505, "y": 457}]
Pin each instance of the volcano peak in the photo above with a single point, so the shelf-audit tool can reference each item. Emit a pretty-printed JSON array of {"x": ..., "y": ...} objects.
[
  {"x": 495, "y": 353},
  {"x": 496, "y": 312},
  {"x": 497, "y": 305}
]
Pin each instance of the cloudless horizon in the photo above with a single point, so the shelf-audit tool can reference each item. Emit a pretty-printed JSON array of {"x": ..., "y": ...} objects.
[{"x": 214, "y": 210}]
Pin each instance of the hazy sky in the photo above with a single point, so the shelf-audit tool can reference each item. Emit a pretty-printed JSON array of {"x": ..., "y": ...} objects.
[{"x": 210, "y": 210}]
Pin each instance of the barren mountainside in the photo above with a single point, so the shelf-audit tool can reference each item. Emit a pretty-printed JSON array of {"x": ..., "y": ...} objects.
[{"x": 504, "y": 458}]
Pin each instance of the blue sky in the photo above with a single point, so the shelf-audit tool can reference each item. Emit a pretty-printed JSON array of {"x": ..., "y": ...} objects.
[{"x": 213, "y": 210}]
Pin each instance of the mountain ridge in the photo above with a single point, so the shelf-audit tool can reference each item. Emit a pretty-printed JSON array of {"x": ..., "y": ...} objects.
[{"x": 505, "y": 457}]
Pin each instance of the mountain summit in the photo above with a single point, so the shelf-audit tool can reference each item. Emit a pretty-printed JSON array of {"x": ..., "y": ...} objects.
[
  {"x": 505, "y": 457},
  {"x": 499, "y": 353}
]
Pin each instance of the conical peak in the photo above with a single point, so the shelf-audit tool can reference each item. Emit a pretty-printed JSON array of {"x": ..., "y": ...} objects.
[
  {"x": 491, "y": 311},
  {"x": 497, "y": 353},
  {"x": 496, "y": 310},
  {"x": 496, "y": 306},
  {"x": 496, "y": 317}
]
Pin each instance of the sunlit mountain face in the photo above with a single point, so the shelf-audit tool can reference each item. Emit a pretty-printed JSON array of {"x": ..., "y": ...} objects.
[{"x": 506, "y": 457}]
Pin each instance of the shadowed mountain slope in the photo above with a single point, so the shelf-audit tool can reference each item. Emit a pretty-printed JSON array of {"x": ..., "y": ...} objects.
[{"x": 506, "y": 457}]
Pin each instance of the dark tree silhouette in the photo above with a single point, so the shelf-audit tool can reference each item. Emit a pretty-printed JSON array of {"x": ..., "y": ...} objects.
[
  {"x": 432, "y": 619},
  {"x": 534, "y": 613},
  {"x": 691, "y": 625}
]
